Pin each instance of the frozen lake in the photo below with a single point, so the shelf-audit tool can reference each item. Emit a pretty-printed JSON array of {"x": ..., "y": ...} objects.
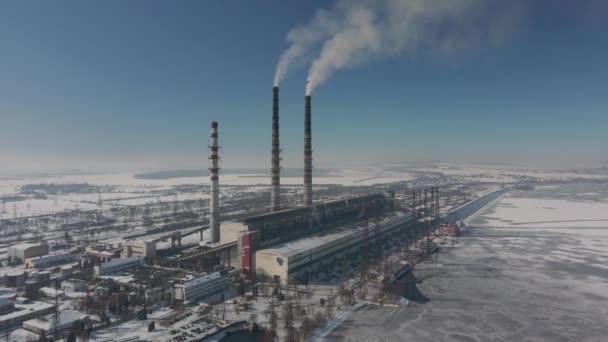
[{"x": 534, "y": 267}]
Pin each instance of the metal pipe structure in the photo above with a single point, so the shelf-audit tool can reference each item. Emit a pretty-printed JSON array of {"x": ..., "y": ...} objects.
[
  {"x": 307, "y": 154},
  {"x": 275, "y": 169},
  {"x": 214, "y": 205}
]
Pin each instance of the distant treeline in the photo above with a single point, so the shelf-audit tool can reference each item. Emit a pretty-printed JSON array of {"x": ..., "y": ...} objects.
[
  {"x": 52, "y": 188},
  {"x": 204, "y": 173}
]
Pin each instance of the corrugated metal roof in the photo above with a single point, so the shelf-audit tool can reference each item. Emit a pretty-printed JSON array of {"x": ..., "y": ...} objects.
[{"x": 292, "y": 248}]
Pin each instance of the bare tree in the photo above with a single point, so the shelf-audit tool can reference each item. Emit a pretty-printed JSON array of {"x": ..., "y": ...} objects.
[
  {"x": 271, "y": 314},
  {"x": 319, "y": 319},
  {"x": 237, "y": 307},
  {"x": 216, "y": 311},
  {"x": 288, "y": 322},
  {"x": 307, "y": 327},
  {"x": 329, "y": 312}
]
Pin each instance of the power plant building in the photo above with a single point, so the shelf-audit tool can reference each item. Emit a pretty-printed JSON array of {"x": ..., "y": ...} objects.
[
  {"x": 301, "y": 259},
  {"x": 272, "y": 229}
]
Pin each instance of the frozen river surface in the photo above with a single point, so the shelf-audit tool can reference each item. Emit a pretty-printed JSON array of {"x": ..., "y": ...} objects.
[{"x": 534, "y": 267}]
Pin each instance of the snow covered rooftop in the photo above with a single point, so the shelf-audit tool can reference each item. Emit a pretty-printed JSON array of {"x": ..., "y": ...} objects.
[
  {"x": 292, "y": 248},
  {"x": 66, "y": 318},
  {"x": 203, "y": 279},
  {"x": 120, "y": 262},
  {"x": 25, "y": 309},
  {"x": 23, "y": 246}
]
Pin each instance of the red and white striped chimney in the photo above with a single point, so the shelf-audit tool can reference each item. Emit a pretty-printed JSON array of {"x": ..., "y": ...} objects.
[
  {"x": 307, "y": 153},
  {"x": 214, "y": 204}
]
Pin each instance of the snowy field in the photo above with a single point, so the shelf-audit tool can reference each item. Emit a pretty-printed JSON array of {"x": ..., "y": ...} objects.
[
  {"x": 125, "y": 189},
  {"x": 120, "y": 189},
  {"x": 533, "y": 267}
]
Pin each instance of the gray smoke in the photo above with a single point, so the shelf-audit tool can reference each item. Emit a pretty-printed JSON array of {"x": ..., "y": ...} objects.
[{"x": 356, "y": 32}]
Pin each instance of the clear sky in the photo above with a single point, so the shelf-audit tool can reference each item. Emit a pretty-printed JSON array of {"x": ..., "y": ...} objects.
[{"x": 85, "y": 84}]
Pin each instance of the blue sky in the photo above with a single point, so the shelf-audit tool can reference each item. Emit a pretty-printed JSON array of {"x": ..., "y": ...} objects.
[{"x": 136, "y": 84}]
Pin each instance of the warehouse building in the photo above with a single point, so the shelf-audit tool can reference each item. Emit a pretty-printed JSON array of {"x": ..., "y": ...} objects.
[
  {"x": 73, "y": 285},
  {"x": 24, "y": 309},
  {"x": 300, "y": 260},
  {"x": 50, "y": 260},
  {"x": 46, "y": 326},
  {"x": 117, "y": 265},
  {"x": 266, "y": 230},
  {"x": 22, "y": 251},
  {"x": 198, "y": 288}
]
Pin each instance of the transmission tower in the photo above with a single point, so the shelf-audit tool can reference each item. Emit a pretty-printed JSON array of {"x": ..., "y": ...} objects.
[
  {"x": 437, "y": 208},
  {"x": 56, "y": 315},
  {"x": 364, "y": 257}
]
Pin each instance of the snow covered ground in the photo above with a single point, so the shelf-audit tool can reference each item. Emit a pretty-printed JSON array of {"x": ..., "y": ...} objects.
[
  {"x": 126, "y": 189},
  {"x": 532, "y": 267}
]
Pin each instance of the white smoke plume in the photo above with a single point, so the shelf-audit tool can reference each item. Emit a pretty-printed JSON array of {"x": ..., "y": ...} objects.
[
  {"x": 356, "y": 32},
  {"x": 302, "y": 40}
]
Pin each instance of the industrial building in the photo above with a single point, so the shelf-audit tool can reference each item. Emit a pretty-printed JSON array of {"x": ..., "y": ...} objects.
[
  {"x": 299, "y": 260},
  {"x": 50, "y": 260},
  {"x": 73, "y": 285},
  {"x": 6, "y": 306},
  {"x": 469, "y": 208},
  {"x": 137, "y": 248},
  {"x": 51, "y": 293},
  {"x": 102, "y": 254},
  {"x": 201, "y": 287},
  {"x": 117, "y": 265},
  {"x": 15, "y": 279},
  {"x": 47, "y": 326},
  {"x": 24, "y": 309},
  {"x": 263, "y": 231},
  {"x": 23, "y": 251}
]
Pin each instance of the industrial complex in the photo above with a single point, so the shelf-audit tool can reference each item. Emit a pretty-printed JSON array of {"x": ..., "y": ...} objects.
[{"x": 178, "y": 264}]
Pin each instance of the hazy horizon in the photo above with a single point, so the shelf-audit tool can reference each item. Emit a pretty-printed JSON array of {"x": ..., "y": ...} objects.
[{"x": 103, "y": 88}]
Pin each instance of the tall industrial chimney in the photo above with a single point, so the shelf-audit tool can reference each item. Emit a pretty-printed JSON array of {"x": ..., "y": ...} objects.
[
  {"x": 214, "y": 210},
  {"x": 307, "y": 154},
  {"x": 275, "y": 169}
]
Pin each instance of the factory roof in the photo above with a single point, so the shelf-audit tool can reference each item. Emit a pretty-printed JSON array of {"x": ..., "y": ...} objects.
[
  {"x": 51, "y": 292},
  {"x": 120, "y": 262},
  {"x": 203, "y": 279},
  {"x": 305, "y": 210},
  {"x": 24, "y": 309},
  {"x": 292, "y": 248},
  {"x": 277, "y": 215},
  {"x": 46, "y": 323},
  {"x": 25, "y": 245},
  {"x": 54, "y": 255}
]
